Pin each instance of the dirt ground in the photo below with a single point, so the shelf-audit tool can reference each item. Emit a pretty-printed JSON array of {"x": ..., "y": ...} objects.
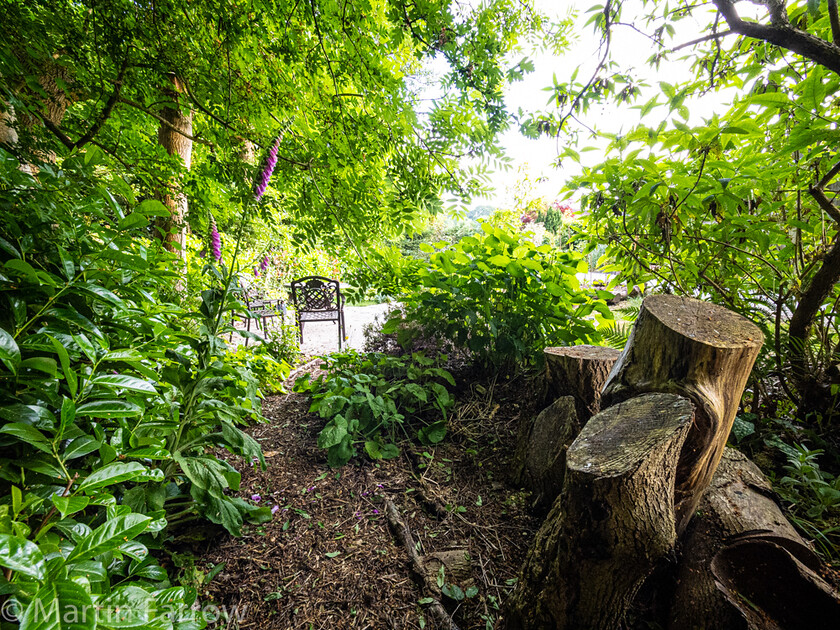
[{"x": 328, "y": 559}]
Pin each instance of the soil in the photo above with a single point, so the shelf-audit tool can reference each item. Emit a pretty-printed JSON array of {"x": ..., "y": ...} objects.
[{"x": 328, "y": 558}]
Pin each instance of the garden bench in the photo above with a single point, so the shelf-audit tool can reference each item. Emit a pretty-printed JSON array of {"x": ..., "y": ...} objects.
[{"x": 318, "y": 299}]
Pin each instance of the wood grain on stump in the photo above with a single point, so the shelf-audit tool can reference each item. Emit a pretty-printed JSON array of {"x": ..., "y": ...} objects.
[
  {"x": 578, "y": 371},
  {"x": 698, "y": 350},
  {"x": 613, "y": 521}
]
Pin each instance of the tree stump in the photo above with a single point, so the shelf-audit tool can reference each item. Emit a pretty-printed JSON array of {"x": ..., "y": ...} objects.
[
  {"x": 540, "y": 459},
  {"x": 738, "y": 507},
  {"x": 578, "y": 371},
  {"x": 612, "y": 523},
  {"x": 698, "y": 350}
]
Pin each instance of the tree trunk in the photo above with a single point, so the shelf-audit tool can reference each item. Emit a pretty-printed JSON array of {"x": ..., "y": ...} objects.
[
  {"x": 764, "y": 579},
  {"x": 578, "y": 371},
  {"x": 698, "y": 350},
  {"x": 739, "y": 500},
  {"x": 172, "y": 230},
  {"x": 540, "y": 460},
  {"x": 613, "y": 522}
]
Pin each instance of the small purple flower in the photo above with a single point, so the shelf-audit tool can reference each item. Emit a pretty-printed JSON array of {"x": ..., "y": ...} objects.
[
  {"x": 375, "y": 511},
  {"x": 268, "y": 168},
  {"x": 256, "y": 272},
  {"x": 256, "y": 498},
  {"x": 215, "y": 240},
  {"x": 264, "y": 264},
  {"x": 275, "y": 509}
]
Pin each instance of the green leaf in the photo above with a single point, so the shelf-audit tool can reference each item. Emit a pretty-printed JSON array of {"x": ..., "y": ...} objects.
[
  {"x": 153, "y": 208},
  {"x": 81, "y": 446},
  {"x": 9, "y": 351},
  {"x": 69, "y": 505},
  {"x": 109, "y": 535},
  {"x": 433, "y": 433},
  {"x": 23, "y": 556},
  {"x": 133, "y": 220},
  {"x": 47, "y": 365},
  {"x": 116, "y": 472},
  {"x": 122, "y": 381},
  {"x": 108, "y": 409},
  {"x": 127, "y": 606},
  {"x": 376, "y": 450},
  {"x": 29, "y": 434},
  {"x": 59, "y": 605},
  {"x": 333, "y": 433}
]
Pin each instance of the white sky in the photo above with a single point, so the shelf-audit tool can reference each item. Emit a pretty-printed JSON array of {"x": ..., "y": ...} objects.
[{"x": 536, "y": 157}]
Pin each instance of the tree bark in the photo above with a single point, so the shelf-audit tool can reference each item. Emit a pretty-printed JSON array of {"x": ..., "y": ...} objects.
[
  {"x": 698, "y": 350},
  {"x": 739, "y": 500},
  {"x": 540, "y": 460},
  {"x": 578, "y": 371},
  {"x": 767, "y": 583},
  {"x": 613, "y": 522},
  {"x": 172, "y": 230}
]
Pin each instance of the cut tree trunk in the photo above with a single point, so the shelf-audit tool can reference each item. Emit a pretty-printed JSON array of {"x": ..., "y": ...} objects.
[
  {"x": 540, "y": 460},
  {"x": 174, "y": 137},
  {"x": 578, "y": 371},
  {"x": 613, "y": 522},
  {"x": 739, "y": 500},
  {"x": 764, "y": 579},
  {"x": 698, "y": 350}
]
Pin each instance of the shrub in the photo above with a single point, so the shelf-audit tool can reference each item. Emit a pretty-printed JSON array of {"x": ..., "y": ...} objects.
[{"x": 501, "y": 297}]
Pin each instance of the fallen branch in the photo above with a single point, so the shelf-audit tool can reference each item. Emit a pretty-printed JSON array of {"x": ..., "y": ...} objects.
[{"x": 403, "y": 534}]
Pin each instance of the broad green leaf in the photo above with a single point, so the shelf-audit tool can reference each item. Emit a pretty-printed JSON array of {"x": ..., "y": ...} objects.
[
  {"x": 108, "y": 409},
  {"x": 109, "y": 535},
  {"x": 69, "y": 505},
  {"x": 47, "y": 365},
  {"x": 81, "y": 446},
  {"x": 333, "y": 433},
  {"x": 23, "y": 556},
  {"x": 60, "y": 605},
  {"x": 132, "y": 221},
  {"x": 122, "y": 381},
  {"x": 9, "y": 351},
  {"x": 29, "y": 434},
  {"x": 116, "y": 472}
]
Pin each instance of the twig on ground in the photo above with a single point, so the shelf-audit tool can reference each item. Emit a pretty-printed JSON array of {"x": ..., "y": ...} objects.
[{"x": 403, "y": 534}]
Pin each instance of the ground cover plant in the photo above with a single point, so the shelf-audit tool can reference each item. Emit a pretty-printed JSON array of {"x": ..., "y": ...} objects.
[{"x": 377, "y": 400}]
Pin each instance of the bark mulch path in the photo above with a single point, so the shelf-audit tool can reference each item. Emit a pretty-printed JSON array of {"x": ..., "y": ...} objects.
[{"x": 328, "y": 558}]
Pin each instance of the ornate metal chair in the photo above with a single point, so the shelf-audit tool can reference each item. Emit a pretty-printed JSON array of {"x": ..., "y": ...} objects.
[{"x": 318, "y": 299}]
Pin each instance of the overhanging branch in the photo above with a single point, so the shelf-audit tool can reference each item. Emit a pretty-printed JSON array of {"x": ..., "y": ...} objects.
[{"x": 782, "y": 34}]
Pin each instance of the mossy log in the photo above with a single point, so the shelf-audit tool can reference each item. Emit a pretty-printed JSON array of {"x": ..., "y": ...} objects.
[
  {"x": 578, "y": 371},
  {"x": 698, "y": 350},
  {"x": 612, "y": 523},
  {"x": 739, "y": 509}
]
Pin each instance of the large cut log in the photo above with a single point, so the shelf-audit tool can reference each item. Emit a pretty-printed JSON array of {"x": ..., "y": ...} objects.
[
  {"x": 738, "y": 508},
  {"x": 579, "y": 371},
  {"x": 612, "y": 523},
  {"x": 698, "y": 350},
  {"x": 540, "y": 460}
]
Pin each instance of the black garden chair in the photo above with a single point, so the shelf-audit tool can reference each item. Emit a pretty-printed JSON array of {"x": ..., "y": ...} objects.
[
  {"x": 260, "y": 309},
  {"x": 318, "y": 299}
]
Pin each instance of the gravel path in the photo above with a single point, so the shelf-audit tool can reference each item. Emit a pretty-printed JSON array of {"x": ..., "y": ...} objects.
[{"x": 322, "y": 337}]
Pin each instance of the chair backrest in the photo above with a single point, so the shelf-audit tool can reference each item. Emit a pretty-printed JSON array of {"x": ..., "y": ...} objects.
[{"x": 316, "y": 293}]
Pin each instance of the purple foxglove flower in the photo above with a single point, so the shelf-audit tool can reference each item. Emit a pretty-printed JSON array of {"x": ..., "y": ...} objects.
[
  {"x": 275, "y": 509},
  {"x": 256, "y": 272},
  {"x": 215, "y": 240},
  {"x": 268, "y": 168},
  {"x": 264, "y": 263},
  {"x": 256, "y": 498}
]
